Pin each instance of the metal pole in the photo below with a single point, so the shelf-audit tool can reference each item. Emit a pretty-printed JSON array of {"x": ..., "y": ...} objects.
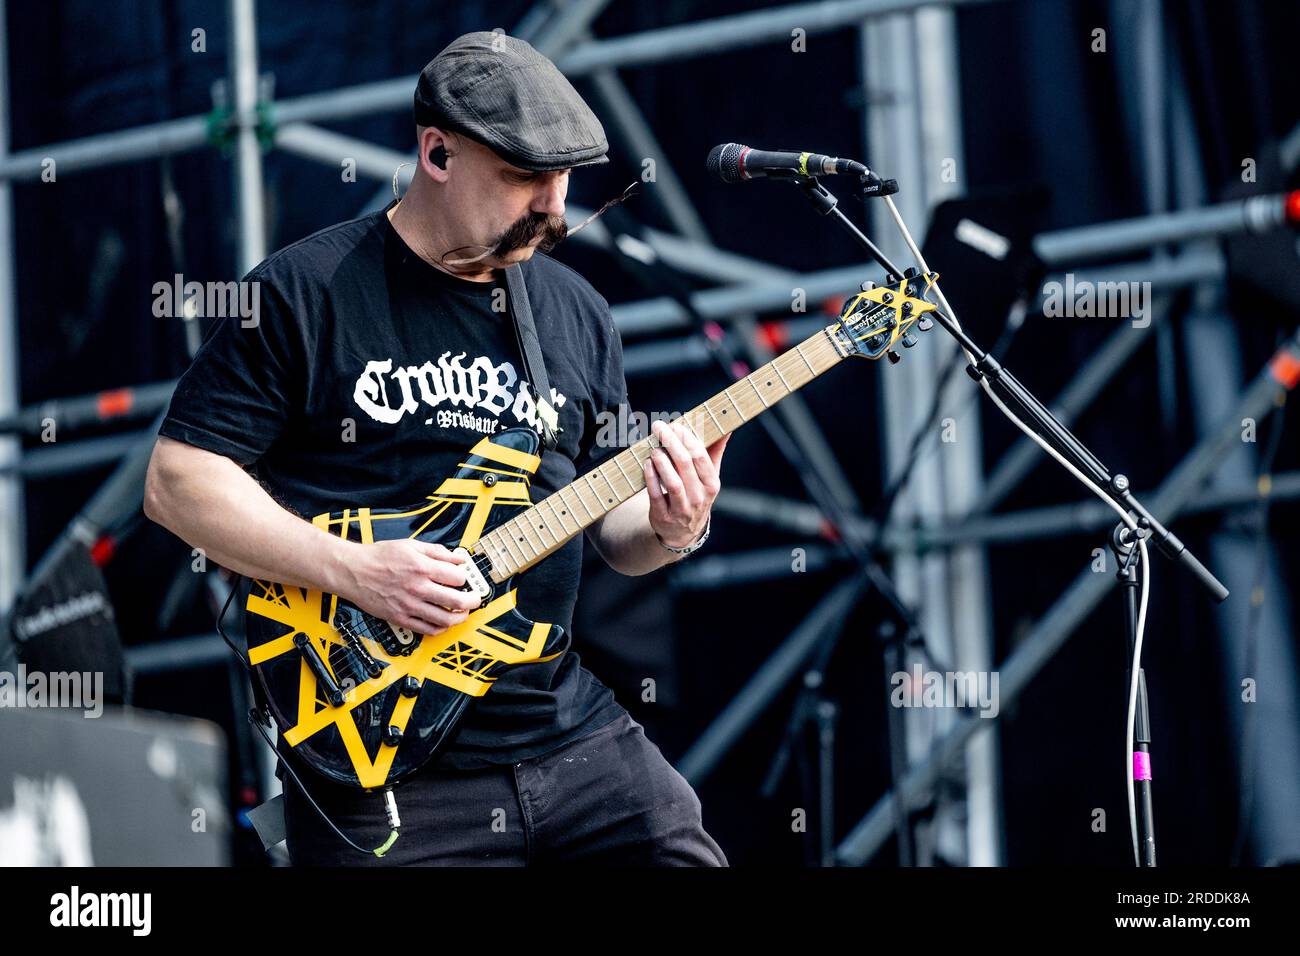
[
  {"x": 913, "y": 130},
  {"x": 530, "y": 26},
  {"x": 1164, "y": 273},
  {"x": 79, "y": 411},
  {"x": 642, "y": 145},
  {"x": 65, "y": 458},
  {"x": 105, "y": 149},
  {"x": 1113, "y": 239},
  {"x": 179, "y": 653},
  {"x": 708, "y": 37},
  {"x": 763, "y": 294},
  {"x": 250, "y": 211},
  {"x": 250, "y": 203},
  {"x": 1290, "y": 149},
  {"x": 562, "y": 29},
  {"x": 13, "y": 559}
]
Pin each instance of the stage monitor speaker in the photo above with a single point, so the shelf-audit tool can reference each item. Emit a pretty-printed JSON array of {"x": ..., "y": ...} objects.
[{"x": 126, "y": 788}]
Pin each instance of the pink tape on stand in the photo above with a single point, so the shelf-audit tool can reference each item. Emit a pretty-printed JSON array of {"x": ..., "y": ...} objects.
[{"x": 1141, "y": 765}]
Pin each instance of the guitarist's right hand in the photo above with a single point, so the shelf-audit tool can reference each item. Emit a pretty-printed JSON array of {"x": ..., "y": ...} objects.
[{"x": 410, "y": 583}]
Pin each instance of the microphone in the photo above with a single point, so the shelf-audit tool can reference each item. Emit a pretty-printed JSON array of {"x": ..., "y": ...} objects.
[{"x": 732, "y": 162}]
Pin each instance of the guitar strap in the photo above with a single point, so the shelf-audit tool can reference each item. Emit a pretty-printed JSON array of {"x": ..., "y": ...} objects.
[{"x": 531, "y": 349}]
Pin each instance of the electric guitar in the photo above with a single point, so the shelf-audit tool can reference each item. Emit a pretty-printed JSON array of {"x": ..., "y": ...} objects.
[{"x": 365, "y": 702}]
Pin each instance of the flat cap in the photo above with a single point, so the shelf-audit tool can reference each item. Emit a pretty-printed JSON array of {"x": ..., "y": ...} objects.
[{"x": 500, "y": 92}]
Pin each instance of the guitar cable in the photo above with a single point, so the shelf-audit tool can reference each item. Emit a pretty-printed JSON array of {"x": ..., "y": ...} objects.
[
  {"x": 258, "y": 718},
  {"x": 261, "y": 719}
]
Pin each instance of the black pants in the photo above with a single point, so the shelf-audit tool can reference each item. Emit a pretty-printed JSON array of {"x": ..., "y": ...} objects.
[{"x": 609, "y": 798}]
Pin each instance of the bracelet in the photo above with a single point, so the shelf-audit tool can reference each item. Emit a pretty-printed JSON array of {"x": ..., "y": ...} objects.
[{"x": 694, "y": 545}]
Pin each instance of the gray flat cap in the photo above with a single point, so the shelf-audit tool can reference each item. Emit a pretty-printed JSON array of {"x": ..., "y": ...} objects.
[{"x": 500, "y": 92}]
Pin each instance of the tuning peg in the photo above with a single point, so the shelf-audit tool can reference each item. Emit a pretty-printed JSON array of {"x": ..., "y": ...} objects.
[
  {"x": 925, "y": 323},
  {"x": 908, "y": 340},
  {"x": 894, "y": 357},
  {"x": 867, "y": 286}
]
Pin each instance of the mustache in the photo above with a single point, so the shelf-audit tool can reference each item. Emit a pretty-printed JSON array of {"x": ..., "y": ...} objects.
[{"x": 552, "y": 229}]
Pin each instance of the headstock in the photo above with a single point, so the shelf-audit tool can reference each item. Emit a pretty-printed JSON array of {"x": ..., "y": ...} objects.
[{"x": 876, "y": 319}]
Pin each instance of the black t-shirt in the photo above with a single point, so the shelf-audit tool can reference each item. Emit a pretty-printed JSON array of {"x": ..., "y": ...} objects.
[{"x": 357, "y": 332}]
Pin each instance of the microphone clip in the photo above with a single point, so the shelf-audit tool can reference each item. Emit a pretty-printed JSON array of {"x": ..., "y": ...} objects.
[{"x": 871, "y": 186}]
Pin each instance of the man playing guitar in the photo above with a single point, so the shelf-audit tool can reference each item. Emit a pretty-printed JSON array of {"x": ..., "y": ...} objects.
[{"x": 380, "y": 353}]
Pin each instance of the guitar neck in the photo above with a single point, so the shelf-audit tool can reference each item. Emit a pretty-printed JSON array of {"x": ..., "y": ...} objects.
[{"x": 528, "y": 537}]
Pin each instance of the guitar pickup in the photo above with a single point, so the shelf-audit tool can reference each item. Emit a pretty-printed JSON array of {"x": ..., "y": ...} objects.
[
  {"x": 333, "y": 692},
  {"x": 475, "y": 582}
]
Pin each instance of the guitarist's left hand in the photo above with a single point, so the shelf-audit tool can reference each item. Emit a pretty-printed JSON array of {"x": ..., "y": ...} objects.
[{"x": 682, "y": 480}]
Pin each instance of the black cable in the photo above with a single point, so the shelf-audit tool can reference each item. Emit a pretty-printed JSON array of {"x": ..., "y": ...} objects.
[
  {"x": 256, "y": 720},
  {"x": 222, "y": 631}
]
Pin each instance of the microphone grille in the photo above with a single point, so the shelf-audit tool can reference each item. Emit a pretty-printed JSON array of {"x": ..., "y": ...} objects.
[{"x": 724, "y": 162}]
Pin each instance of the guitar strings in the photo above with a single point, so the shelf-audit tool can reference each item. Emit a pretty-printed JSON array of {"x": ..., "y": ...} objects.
[{"x": 788, "y": 362}]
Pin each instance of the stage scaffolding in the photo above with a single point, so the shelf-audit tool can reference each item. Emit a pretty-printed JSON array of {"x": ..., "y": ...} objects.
[{"x": 909, "y": 72}]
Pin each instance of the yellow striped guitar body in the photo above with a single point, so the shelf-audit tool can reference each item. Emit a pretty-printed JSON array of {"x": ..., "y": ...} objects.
[{"x": 366, "y": 703}]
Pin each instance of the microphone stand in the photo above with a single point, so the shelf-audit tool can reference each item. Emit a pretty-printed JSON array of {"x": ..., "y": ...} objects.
[
  {"x": 638, "y": 257},
  {"x": 1128, "y": 556},
  {"x": 984, "y": 368}
]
